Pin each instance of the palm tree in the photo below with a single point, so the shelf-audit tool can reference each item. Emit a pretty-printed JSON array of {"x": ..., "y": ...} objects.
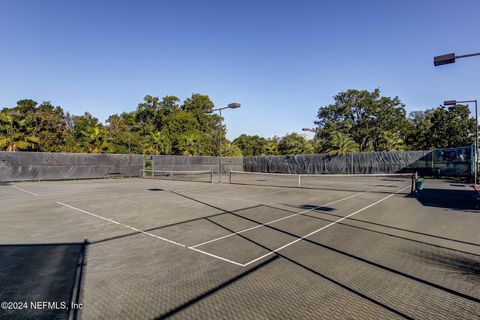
[
  {"x": 93, "y": 140},
  {"x": 341, "y": 144},
  {"x": 391, "y": 141},
  {"x": 15, "y": 135}
]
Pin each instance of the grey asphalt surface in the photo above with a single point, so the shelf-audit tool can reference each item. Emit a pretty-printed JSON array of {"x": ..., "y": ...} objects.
[{"x": 394, "y": 257}]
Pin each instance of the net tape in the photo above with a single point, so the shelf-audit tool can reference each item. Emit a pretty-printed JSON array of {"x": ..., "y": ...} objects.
[
  {"x": 194, "y": 176},
  {"x": 387, "y": 183}
]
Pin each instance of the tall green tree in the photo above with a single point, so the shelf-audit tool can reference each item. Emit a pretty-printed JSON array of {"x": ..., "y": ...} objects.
[
  {"x": 442, "y": 127},
  {"x": 364, "y": 116},
  {"x": 15, "y": 134},
  {"x": 50, "y": 124},
  {"x": 295, "y": 143},
  {"x": 251, "y": 145},
  {"x": 271, "y": 146},
  {"x": 341, "y": 144},
  {"x": 231, "y": 150},
  {"x": 17, "y": 131},
  {"x": 90, "y": 134},
  {"x": 391, "y": 142}
]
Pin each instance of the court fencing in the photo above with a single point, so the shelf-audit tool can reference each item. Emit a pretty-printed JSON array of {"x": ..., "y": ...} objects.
[
  {"x": 18, "y": 166},
  {"x": 196, "y": 163},
  {"x": 439, "y": 162},
  {"x": 23, "y": 166}
]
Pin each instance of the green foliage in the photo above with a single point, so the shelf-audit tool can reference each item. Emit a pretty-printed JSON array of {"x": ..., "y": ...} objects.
[
  {"x": 294, "y": 143},
  {"x": 356, "y": 121},
  {"x": 442, "y": 127},
  {"x": 231, "y": 150},
  {"x": 251, "y": 145},
  {"x": 364, "y": 116},
  {"x": 342, "y": 144},
  {"x": 17, "y": 127},
  {"x": 271, "y": 146},
  {"x": 391, "y": 142}
]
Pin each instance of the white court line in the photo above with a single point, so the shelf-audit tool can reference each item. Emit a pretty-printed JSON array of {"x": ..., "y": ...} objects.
[
  {"x": 263, "y": 194},
  {"x": 121, "y": 224},
  {"x": 32, "y": 193},
  {"x": 283, "y": 218},
  {"x": 246, "y": 198},
  {"x": 276, "y": 220},
  {"x": 149, "y": 234},
  {"x": 323, "y": 228},
  {"x": 197, "y": 189},
  {"x": 215, "y": 256}
]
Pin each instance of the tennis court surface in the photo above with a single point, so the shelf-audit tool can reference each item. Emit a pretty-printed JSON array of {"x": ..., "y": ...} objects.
[{"x": 155, "y": 248}]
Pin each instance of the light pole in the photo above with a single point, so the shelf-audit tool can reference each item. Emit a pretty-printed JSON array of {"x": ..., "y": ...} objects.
[
  {"x": 450, "y": 58},
  {"x": 454, "y": 102},
  {"x": 234, "y": 105},
  {"x": 447, "y": 59}
]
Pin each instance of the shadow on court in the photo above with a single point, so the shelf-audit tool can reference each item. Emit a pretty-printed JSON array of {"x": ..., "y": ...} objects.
[
  {"x": 326, "y": 212},
  {"x": 42, "y": 273},
  {"x": 452, "y": 198},
  {"x": 465, "y": 265},
  {"x": 469, "y": 268},
  {"x": 215, "y": 289}
]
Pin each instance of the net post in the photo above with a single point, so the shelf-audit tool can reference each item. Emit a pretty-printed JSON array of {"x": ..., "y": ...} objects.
[
  {"x": 414, "y": 180},
  {"x": 299, "y": 180},
  {"x": 211, "y": 176},
  {"x": 230, "y": 177}
]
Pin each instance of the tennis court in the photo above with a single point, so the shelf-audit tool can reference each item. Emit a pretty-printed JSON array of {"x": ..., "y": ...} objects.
[{"x": 254, "y": 246}]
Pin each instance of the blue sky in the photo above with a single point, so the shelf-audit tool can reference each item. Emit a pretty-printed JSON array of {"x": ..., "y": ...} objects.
[{"x": 280, "y": 59}]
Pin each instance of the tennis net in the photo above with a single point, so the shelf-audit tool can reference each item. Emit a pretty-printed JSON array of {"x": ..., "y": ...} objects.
[
  {"x": 194, "y": 176},
  {"x": 382, "y": 183}
]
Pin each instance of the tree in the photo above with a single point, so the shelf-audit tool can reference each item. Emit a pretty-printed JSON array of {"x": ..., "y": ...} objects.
[
  {"x": 294, "y": 143},
  {"x": 362, "y": 115},
  {"x": 17, "y": 131},
  {"x": 251, "y": 145},
  {"x": 90, "y": 134},
  {"x": 442, "y": 127},
  {"x": 15, "y": 135},
  {"x": 231, "y": 150},
  {"x": 391, "y": 142},
  {"x": 271, "y": 146},
  {"x": 49, "y": 124},
  {"x": 157, "y": 142},
  {"x": 341, "y": 144}
]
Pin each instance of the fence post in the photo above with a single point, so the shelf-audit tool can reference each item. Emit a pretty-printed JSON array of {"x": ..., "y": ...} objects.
[{"x": 352, "y": 163}]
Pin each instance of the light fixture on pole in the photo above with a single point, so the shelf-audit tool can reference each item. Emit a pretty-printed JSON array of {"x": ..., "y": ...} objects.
[
  {"x": 450, "y": 58},
  {"x": 234, "y": 105},
  {"x": 454, "y": 102}
]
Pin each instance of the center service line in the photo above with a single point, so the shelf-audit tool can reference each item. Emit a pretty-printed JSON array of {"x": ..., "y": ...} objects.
[
  {"x": 283, "y": 218},
  {"x": 323, "y": 228}
]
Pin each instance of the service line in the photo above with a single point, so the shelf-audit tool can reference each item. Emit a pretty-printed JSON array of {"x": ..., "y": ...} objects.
[
  {"x": 323, "y": 228},
  {"x": 273, "y": 221},
  {"x": 121, "y": 224},
  {"x": 148, "y": 233},
  {"x": 283, "y": 218}
]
